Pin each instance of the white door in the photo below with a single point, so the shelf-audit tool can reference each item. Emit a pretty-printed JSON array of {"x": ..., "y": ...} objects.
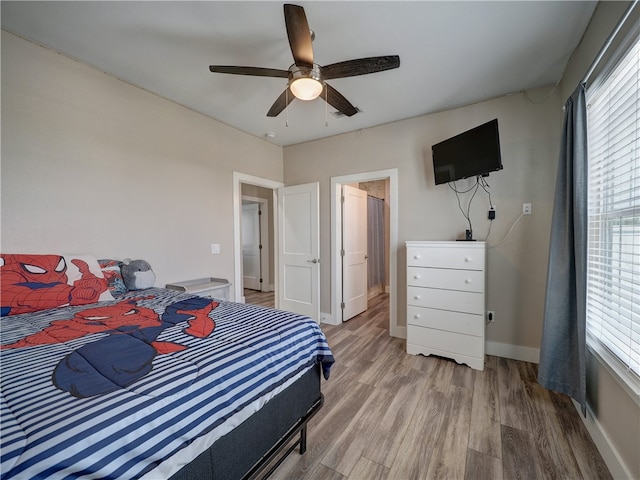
[
  {"x": 251, "y": 246},
  {"x": 354, "y": 251},
  {"x": 299, "y": 249}
]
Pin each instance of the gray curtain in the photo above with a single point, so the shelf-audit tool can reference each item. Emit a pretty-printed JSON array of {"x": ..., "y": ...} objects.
[
  {"x": 375, "y": 241},
  {"x": 562, "y": 354}
]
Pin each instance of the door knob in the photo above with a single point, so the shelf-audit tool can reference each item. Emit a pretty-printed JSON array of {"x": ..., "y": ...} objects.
[{"x": 315, "y": 260}]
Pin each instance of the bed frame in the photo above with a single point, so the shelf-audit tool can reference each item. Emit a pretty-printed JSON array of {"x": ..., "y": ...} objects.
[{"x": 260, "y": 441}]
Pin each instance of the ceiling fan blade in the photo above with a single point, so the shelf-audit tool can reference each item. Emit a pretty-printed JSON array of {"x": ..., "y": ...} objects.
[
  {"x": 360, "y": 66},
  {"x": 338, "y": 101},
  {"x": 254, "y": 71},
  {"x": 281, "y": 103},
  {"x": 299, "y": 34}
]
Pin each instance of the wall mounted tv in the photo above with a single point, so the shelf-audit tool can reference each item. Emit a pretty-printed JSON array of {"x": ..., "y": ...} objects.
[{"x": 469, "y": 154}]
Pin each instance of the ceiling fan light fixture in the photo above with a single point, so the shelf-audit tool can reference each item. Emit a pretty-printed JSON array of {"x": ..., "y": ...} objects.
[
  {"x": 306, "y": 88},
  {"x": 305, "y": 82}
]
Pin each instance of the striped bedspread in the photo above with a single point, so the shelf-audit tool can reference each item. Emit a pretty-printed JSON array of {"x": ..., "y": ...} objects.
[{"x": 112, "y": 390}]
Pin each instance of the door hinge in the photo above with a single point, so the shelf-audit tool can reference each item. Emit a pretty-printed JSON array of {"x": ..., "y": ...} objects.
[
  {"x": 259, "y": 247},
  {"x": 342, "y": 305},
  {"x": 342, "y": 198},
  {"x": 342, "y": 252},
  {"x": 259, "y": 212}
]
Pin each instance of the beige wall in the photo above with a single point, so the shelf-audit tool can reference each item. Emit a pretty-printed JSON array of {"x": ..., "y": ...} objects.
[
  {"x": 91, "y": 164},
  {"x": 530, "y": 134},
  {"x": 617, "y": 413}
]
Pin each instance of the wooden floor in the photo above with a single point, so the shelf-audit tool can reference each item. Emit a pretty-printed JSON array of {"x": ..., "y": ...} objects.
[
  {"x": 389, "y": 415},
  {"x": 254, "y": 297}
]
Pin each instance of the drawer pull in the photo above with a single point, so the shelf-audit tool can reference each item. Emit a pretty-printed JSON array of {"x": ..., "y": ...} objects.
[
  {"x": 416, "y": 316},
  {"x": 417, "y": 297},
  {"x": 417, "y": 257},
  {"x": 467, "y": 281},
  {"x": 416, "y": 276},
  {"x": 467, "y": 259}
]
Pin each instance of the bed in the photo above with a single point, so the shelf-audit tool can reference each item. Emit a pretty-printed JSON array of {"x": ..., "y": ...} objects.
[{"x": 153, "y": 384}]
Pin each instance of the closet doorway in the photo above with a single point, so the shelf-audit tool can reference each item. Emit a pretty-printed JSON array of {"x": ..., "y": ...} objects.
[{"x": 389, "y": 178}]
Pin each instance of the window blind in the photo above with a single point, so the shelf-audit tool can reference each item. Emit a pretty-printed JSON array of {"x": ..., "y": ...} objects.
[{"x": 613, "y": 258}]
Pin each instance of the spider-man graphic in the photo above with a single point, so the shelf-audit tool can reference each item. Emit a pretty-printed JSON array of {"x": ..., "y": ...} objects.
[
  {"x": 127, "y": 353},
  {"x": 34, "y": 282}
]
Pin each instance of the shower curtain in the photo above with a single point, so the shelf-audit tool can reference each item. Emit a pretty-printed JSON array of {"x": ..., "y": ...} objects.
[{"x": 375, "y": 241}]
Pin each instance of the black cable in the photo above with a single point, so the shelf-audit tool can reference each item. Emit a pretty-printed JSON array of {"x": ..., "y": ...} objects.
[
  {"x": 467, "y": 214},
  {"x": 480, "y": 182},
  {"x": 459, "y": 191},
  {"x": 485, "y": 185},
  {"x": 471, "y": 200},
  {"x": 460, "y": 205}
]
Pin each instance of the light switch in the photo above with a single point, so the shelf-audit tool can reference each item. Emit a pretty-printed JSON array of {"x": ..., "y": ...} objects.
[{"x": 215, "y": 248}]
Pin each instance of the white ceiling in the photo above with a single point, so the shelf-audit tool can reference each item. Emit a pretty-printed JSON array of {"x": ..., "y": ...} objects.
[{"x": 451, "y": 53}]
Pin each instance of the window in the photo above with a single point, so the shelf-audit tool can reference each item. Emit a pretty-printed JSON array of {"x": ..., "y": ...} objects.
[{"x": 613, "y": 271}]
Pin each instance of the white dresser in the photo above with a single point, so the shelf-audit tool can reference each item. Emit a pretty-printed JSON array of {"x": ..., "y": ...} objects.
[{"x": 446, "y": 300}]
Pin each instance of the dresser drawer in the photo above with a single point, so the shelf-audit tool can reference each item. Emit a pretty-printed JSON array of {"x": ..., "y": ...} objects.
[
  {"x": 455, "y": 343},
  {"x": 467, "y": 258},
  {"x": 467, "y": 323},
  {"x": 464, "y": 280},
  {"x": 467, "y": 302}
]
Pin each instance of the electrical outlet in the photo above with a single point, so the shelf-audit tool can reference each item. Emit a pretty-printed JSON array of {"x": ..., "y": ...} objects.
[
  {"x": 526, "y": 209},
  {"x": 491, "y": 316},
  {"x": 492, "y": 213}
]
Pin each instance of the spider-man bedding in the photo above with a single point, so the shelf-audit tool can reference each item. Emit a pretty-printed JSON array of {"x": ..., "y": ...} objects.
[{"x": 114, "y": 389}]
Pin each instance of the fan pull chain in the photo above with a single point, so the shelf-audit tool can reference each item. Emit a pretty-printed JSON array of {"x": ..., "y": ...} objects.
[
  {"x": 286, "y": 108},
  {"x": 326, "y": 106}
]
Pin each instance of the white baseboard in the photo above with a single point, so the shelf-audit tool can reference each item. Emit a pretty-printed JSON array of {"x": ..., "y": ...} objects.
[
  {"x": 516, "y": 352},
  {"x": 329, "y": 319},
  {"x": 610, "y": 455}
]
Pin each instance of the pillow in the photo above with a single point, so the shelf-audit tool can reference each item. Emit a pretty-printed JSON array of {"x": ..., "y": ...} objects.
[
  {"x": 29, "y": 283},
  {"x": 137, "y": 274},
  {"x": 113, "y": 275}
]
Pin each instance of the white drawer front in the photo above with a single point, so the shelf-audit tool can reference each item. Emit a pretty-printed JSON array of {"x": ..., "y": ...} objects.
[
  {"x": 467, "y": 323},
  {"x": 468, "y": 302},
  {"x": 446, "y": 257},
  {"x": 465, "y": 280},
  {"x": 446, "y": 341}
]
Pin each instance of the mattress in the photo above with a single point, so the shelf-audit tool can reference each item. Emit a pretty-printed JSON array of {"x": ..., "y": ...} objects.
[{"x": 140, "y": 386}]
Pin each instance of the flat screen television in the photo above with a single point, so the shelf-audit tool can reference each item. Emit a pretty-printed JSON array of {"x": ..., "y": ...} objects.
[{"x": 469, "y": 154}]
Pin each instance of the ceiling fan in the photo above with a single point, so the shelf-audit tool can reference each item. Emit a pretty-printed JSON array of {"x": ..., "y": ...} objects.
[{"x": 307, "y": 79}]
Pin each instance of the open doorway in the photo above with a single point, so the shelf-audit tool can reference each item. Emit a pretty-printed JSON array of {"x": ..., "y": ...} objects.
[
  {"x": 251, "y": 190},
  {"x": 296, "y": 244},
  {"x": 257, "y": 245},
  {"x": 390, "y": 179}
]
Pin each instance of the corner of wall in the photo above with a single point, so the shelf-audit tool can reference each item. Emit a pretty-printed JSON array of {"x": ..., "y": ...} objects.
[
  {"x": 605, "y": 446},
  {"x": 515, "y": 352}
]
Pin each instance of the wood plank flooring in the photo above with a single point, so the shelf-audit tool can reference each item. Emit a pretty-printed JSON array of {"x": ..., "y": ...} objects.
[
  {"x": 390, "y": 415},
  {"x": 254, "y": 297}
]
